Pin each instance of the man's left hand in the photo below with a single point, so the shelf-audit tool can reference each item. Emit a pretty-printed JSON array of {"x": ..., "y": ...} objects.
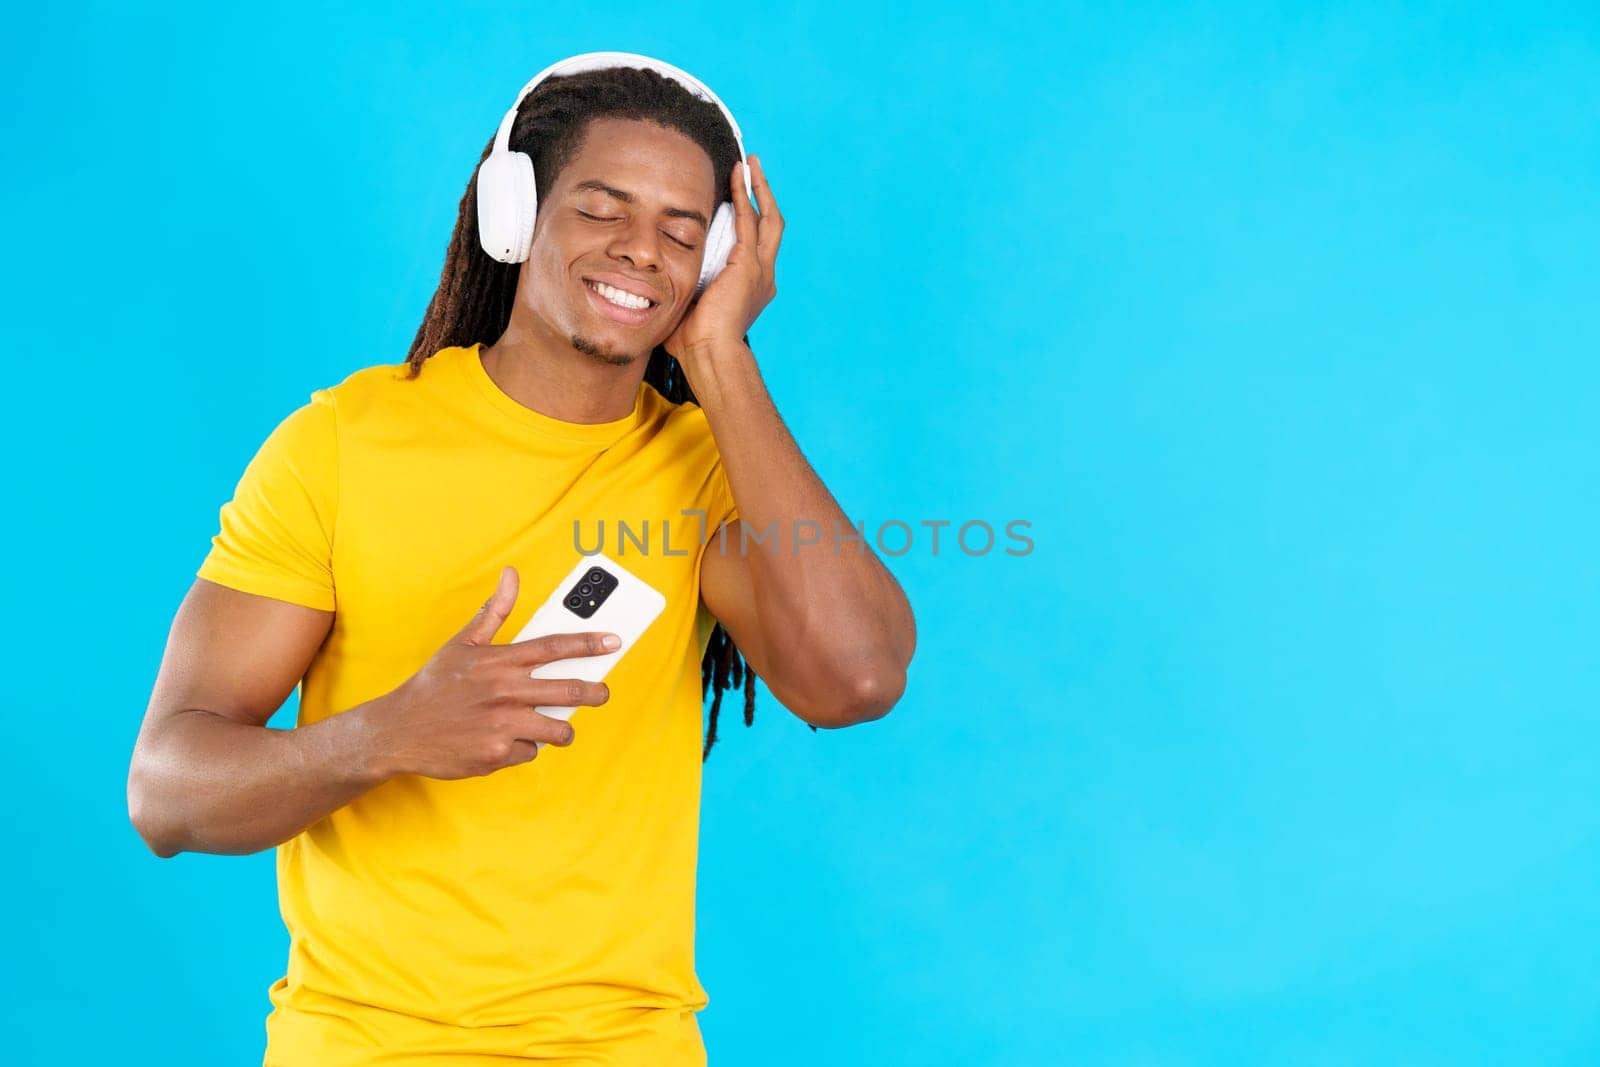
[{"x": 727, "y": 307}]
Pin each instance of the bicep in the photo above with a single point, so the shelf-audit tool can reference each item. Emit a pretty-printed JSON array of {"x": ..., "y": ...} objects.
[{"x": 234, "y": 654}]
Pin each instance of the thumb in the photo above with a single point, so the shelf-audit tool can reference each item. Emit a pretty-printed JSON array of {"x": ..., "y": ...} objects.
[{"x": 487, "y": 622}]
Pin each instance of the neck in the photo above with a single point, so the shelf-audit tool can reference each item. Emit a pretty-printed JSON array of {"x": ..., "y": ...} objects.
[{"x": 545, "y": 373}]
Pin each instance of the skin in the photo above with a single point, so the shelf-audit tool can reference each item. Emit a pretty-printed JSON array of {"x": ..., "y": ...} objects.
[{"x": 207, "y": 775}]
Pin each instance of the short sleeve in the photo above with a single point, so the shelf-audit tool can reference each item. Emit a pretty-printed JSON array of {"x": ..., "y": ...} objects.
[{"x": 276, "y": 534}]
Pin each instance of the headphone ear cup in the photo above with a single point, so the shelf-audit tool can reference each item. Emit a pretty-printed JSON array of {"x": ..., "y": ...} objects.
[
  {"x": 507, "y": 201},
  {"x": 720, "y": 240}
]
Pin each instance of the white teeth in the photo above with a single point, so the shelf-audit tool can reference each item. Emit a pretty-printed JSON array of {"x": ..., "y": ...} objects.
[{"x": 618, "y": 297}]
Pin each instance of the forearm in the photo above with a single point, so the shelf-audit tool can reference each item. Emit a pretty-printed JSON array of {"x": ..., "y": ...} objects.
[
  {"x": 202, "y": 782},
  {"x": 847, "y": 626}
]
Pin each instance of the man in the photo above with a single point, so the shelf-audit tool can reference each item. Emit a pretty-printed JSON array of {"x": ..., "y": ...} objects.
[{"x": 449, "y": 897}]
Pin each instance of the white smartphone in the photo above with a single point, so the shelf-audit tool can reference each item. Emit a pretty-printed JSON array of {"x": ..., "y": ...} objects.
[{"x": 597, "y": 594}]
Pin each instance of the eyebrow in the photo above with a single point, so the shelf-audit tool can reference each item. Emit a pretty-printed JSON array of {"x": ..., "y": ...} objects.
[{"x": 628, "y": 198}]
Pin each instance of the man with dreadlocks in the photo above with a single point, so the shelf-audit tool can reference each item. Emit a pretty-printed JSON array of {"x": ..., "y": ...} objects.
[{"x": 449, "y": 898}]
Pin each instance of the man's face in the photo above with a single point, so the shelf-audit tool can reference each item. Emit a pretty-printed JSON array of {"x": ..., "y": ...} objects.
[{"x": 630, "y": 211}]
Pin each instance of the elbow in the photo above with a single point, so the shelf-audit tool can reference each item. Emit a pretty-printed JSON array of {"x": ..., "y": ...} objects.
[
  {"x": 859, "y": 698},
  {"x": 877, "y": 685},
  {"x": 159, "y": 843},
  {"x": 144, "y": 812},
  {"x": 873, "y": 694}
]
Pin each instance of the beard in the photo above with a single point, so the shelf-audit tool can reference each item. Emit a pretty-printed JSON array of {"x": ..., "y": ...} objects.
[{"x": 607, "y": 356}]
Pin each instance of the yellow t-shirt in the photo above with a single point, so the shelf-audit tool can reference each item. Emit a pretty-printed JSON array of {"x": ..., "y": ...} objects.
[{"x": 545, "y": 911}]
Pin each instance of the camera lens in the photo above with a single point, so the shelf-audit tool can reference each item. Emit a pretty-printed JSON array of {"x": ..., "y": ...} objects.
[
  {"x": 596, "y": 577},
  {"x": 585, "y": 589},
  {"x": 574, "y": 601}
]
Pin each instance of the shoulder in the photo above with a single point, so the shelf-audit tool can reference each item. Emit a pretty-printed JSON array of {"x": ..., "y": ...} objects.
[
  {"x": 375, "y": 385},
  {"x": 681, "y": 426},
  {"x": 379, "y": 395}
]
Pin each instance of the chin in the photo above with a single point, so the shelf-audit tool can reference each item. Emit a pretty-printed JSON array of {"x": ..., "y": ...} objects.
[{"x": 602, "y": 353}]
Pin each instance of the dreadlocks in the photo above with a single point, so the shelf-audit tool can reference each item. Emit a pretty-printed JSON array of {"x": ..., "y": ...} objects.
[{"x": 476, "y": 292}]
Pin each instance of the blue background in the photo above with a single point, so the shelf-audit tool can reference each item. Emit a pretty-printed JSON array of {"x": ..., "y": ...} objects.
[{"x": 1279, "y": 325}]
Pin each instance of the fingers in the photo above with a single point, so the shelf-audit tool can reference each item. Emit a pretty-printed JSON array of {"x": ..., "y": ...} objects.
[
  {"x": 534, "y": 727},
  {"x": 561, "y": 693},
  {"x": 522, "y": 733},
  {"x": 487, "y": 622},
  {"x": 551, "y": 647},
  {"x": 521, "y": 752},
  {"x": 744, "y": 212},
  {"x": 770, "y": 231},
  {"x": 531, "y": 730}
]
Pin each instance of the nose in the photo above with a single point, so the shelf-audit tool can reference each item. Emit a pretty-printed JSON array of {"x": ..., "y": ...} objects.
[{"x": 637, "y": 243}]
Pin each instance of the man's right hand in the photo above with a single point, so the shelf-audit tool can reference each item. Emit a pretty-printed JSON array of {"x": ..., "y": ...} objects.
[{"x": 469, "y": 710}]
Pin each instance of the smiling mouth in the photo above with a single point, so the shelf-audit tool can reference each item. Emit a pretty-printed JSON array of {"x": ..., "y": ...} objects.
[{"x": 620, "y": 298}]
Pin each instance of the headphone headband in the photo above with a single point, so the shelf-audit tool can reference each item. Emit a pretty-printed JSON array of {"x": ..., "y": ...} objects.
[
  {"x": 587, "y": 61},
  {"x": 507, "y": 188}
]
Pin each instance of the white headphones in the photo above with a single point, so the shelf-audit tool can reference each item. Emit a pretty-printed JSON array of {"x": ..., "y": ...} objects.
[{"x": 508, "y": 196}]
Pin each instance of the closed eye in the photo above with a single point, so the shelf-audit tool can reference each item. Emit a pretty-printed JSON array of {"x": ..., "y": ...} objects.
[{"x": 615, "y": 218}]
